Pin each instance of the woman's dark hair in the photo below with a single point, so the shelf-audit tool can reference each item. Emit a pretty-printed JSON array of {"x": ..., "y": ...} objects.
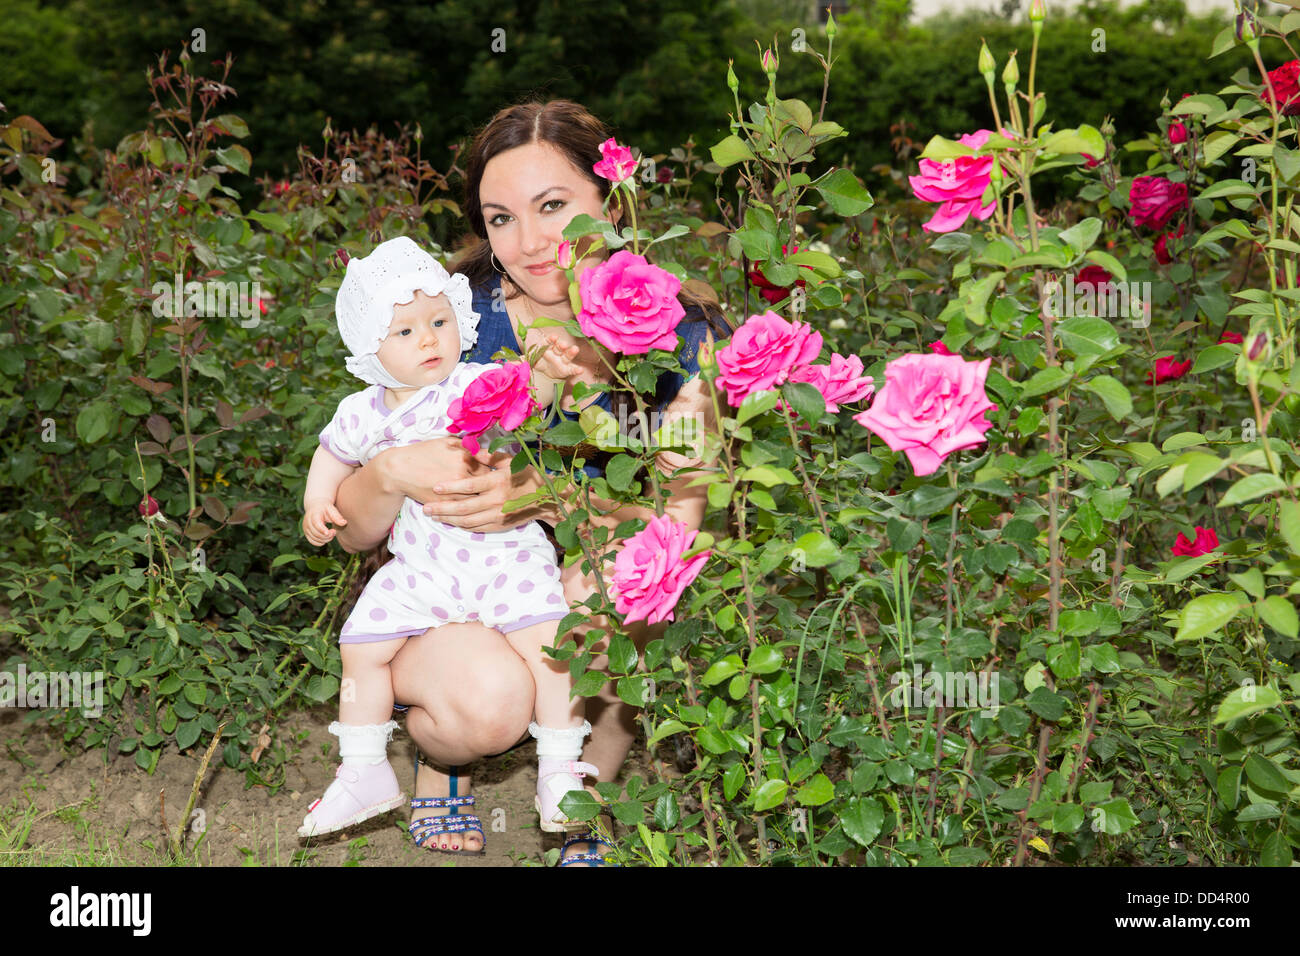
[{"x": 570, "y": 128}]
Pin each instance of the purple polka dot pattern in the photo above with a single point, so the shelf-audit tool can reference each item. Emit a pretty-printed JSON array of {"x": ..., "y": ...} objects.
[
  {"x": 480, "y": 591},
  {"x": 552, "y": 599},
  {"x": 356, "y": 422},
  {"x": 410, "y": 537},
  {"x": 499, "y": 580},
  {"x": 477, "y": 536},
  {"x": 462, "y": 556},
  {"x": 523, "y": 556},
  {"x": 500, "y": 609},
  {"x": 525, "y": 587},
  {"x": 378, "y": 614},
  {"x": 434, "y": 540},
  {"x": 410, "y": 581},
  {"x": 455, "y": 591},
  {"x": 491, "y": 562},
  {"x": 389, "y": 584},
  {"x": 512, "y": 544},
  {"x": 408, "y": 419},
  {"x": 440, "y": 613}
]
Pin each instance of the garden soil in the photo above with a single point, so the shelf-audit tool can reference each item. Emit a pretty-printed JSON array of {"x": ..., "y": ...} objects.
[{"x": 84, "y": 812}]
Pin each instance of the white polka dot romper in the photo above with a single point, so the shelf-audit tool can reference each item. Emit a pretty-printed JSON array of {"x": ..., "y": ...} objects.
[{"x": 439, "y": 574}]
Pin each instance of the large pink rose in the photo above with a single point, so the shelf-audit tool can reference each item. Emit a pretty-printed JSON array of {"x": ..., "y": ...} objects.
[
  {"x": 958, "y": 184},
  {"x": 1155, "y": 200},
  {"x": 616, "y": 163},
  {"x": 649, "y": 573},
  {"x": 762, "y": 354},
  {"x": 931, "y": 406},
  {"x": 629, "y": 305},
  {"x": 499, "y": 396},
  {"x": 840, "y": 382}
]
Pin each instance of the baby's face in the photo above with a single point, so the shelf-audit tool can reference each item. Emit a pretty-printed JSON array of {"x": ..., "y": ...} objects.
[{"x": 423, "y": 343}]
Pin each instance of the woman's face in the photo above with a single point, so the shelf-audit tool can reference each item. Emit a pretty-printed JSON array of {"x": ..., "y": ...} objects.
[{"x": 528, "y": 195}]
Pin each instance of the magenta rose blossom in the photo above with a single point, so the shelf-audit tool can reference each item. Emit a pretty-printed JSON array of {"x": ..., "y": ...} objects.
[
  {"x": 958, "y": 184},
  {"x": 931, "y": 406},
  {"x": 762, "y": 353},
  {"x": 1286, "y": 84},
  {"x": 1177, "y": 132},
  {"x": 938, "y": 348},
  {"x": 840, "y": 382},
  {"x": 649, "y": 573},
  {"x": 629, "y": 305},
  {"x": 499, "y": 396},
  {"x": 616, "y": 163},
  {"x": 1232, "y": 337},
  {"x": 1206, "y": 541},
  {"x": 1168, "y": 369},
  {"x": 1155, "y": 200}
]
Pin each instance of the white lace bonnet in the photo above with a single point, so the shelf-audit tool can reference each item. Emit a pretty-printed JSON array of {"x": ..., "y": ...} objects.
[{"x": 389, "y": 276}]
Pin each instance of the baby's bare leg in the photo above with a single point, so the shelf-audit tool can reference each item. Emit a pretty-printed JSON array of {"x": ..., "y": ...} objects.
[
  {"x": 366, "y": 696},
  {"x": 553, "y": 706}
]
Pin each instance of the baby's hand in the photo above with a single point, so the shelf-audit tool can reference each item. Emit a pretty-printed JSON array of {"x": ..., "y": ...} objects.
[
  {"x": 557, "y": 361},
  {"x": 314, "y": 522}
]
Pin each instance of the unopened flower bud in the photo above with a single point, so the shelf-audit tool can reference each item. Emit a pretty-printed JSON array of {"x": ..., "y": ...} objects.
[
  {"x": 1037, "y": 11},
  {"x": 733, "y": 84},
  {"x": 770, "y": 61},
  {"x": 1257, "y": 346},
  {"x": 419, "y": 133},
  {"x": 830, "y": 26},
  {"x": 564, "y": 255},
  {"x": 1011, "y": 75},
  {"x": 987, "y": 65},
  {"x": 148, "y": 506}
]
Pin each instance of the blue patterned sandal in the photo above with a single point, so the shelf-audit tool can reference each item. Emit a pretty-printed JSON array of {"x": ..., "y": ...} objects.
[
  {"x": 451, "y": 822},
  {"x": 591, "y": 859}
]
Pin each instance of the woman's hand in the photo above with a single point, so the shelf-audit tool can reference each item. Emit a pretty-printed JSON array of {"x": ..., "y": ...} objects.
[{"x": 474, "y": 502}]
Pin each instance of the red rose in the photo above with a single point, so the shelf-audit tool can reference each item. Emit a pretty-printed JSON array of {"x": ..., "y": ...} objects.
[
  {"x": 1155, "y": 200},
  {"x": 1089, "y": 160},
  {"x": 773, "y": 293},
  {"x": 1286, "y": 84},
  {"x": 1168, "y": 369},
  {"x": 1231, "y": 337},
  {"x": 665, "y": 175},
  {"x": 148, "y": 506},
  {"x": 1162, "y": 249},
  {"x": 1095, "y": 276},
  {"x": 1177, "y": 132},
  {"x": 1206, "y": 541},
  {"x": 938, "y": 348}
]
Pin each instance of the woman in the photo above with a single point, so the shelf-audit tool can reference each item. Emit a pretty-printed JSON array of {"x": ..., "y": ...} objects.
[{"x": 528, "y": 175}]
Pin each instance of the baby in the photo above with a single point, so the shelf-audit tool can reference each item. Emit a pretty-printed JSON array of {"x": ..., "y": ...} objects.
[{"x": 406, "y": 323}]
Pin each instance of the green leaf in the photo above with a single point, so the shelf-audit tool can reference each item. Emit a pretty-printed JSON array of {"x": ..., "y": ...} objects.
[
  {"x": 1064, "y": 659},
  {"x": 730, "y": 151},
  {"x": 765, "y": 659},
  {"x": 1082, "y": 234},
  {"x": 667, "y": 814},
  {"x": 1085, "y": 139},
  {"x": 196, "y": 694},
  {"x": 818, "y": 550},
  {"x": 579, "y": 805},
  {"x": 732, "y": 780},
  {"x": 1228, "y": 786},
  {"x": 619, "y": 471},
  {"x": 1216, "y": 356},
  {"x": 589, "y": 684},
  {"x": 806, "y": 400},
  {"x": 756, "y": 404},
  {"x": 93, "y": 422},
  {"x": 1113, "y": 392},
  {"x": 1115, "y": 816},
  {"x": 1247, "y": 700},
  {"x": 721, "y": 670},
  {"x": 862, "y": 819},
  {"x": 187, "y": 733},
  {"x": 769, "y": 795},
  {"x": 1067, "y": 817},
  {"x": 1288, "y": 521},
  {"x": 1265, "y": 774},
  {"x": 1207, "y": 614},
  {"x": 1279, "y": 614},
  {"x": 1251, "y": 487},
  {"x": 1046, "y": 704},
  {"x": 843, "y": 193},
  {"x": 1276, "y": 851},
  {"x": 1087, "y": 335},
  {"x": 1047, "y": 380},
  {"x": 234, "y": 156},
  {"x": 271, "y": 220},
  {"x": 815, "y": 792}
]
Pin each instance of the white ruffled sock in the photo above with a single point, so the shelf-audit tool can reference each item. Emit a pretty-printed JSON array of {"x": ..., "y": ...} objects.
[{"x": 363, "y": 745}]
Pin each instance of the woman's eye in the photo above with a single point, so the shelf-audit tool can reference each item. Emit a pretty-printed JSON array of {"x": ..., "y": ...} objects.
[
  {"x": 556, "y": 202},
  {"x": 497, "y": 219}
]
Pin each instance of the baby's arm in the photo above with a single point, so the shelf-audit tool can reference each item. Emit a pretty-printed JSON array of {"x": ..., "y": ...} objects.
[{"x": 323, "y": 480}]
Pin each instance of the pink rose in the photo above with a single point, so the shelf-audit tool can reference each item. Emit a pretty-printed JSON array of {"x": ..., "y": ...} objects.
[
  {"x": 1155, "y": 200},
  {"x": 1168, "y": 369},
  {"x": 762, "y": 353},
  {"x": 931, "y": 406},
  {"x": 1206, "y": 541},
  {"x": 840, "y": 382},
  {"x": 564, "y": 255},
  {"x": 616, "y": 162},
  {"x": 649, "y": 573},
  {"x": 499, "y": 396},
  {"x": 629, "y": 305},
  {"x": 938, "y": 348},
  {"x": 958, "y": 184}
]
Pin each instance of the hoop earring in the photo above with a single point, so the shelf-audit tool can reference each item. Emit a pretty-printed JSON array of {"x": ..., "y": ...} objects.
[{"x": 495, "y": 265}]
